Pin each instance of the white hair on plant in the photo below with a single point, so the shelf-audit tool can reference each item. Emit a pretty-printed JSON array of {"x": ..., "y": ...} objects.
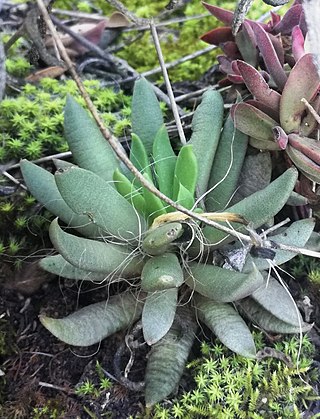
[{"x": 312, "y": 14}]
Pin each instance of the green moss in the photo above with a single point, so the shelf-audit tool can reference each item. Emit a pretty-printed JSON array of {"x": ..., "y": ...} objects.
[{"x": 230, "y": 386}]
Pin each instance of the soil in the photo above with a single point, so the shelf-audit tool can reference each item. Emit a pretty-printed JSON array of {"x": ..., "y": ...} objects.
[{"x": 35, "y": 360}]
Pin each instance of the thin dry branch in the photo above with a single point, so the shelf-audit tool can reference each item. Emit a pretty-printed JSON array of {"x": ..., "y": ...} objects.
[{"x": 168, "y": 84}]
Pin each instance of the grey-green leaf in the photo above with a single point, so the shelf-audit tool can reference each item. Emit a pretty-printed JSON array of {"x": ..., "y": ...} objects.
[
  {"x": 158, "y": 240},
  {"x": 146, "y": 116},
  {"x": 226, "y": 324},
  {"x": 93, "y": 255},
  {"x": 274, "y": 298},
  {"x": 43, "y": 187},
  {"x": 267, "y": 321},
  {"x": 86, "y": 193},
  {"x": 57, "y": 265},
  {"x": 296, "y": 235},
  {"x": 167, "y": 359},
  {"x": 89, "y": 148},
  {"x": 259, "y": 207},
  {"x": 158, "y": 314},
  {"x": 226, "y": 167},
  {"x": 221, "y": 284},
  {"x": 95, "y": 322},
  {"x": 161, "y": 272},
  {"x": 206, "y": 127}
]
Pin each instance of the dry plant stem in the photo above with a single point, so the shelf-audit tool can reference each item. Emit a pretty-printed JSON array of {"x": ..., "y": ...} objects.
[
  {"x": 311, "y": 110},
  {"x": 168, "y": 84},
  {"x": 2, "y": 71},
  {"x": 13, "y": 179},
  {"x": 114, "y": 143}
]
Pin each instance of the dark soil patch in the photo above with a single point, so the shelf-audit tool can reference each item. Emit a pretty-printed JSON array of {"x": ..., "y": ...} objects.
[{"x": 33, "y": 356}]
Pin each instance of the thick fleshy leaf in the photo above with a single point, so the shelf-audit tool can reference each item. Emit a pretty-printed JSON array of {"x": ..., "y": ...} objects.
[
  {"x": 138, "y": 155},
  {"x": 93, "y": 255},
  {"x": 158, "y": 240},
  {"x": 161, "y": 272},
  {"x": 289, "y": 20},
  {"x": 254, "y": 123},
  {"x": 269, "y": 55},
  {"x": 273, "y": 113},
  {"x": 90, "y": 149},
  {"x": 167, "y": 358},
  {"x": 57, "y": 265},
  {"x": 260, "y": 206},
  {"x": 303, "y": 82},
  {"x": 218, "y": 35},
  {"x": 184, "y": 197},
  {"x": 257, "y": 85},
  {"x": 297, "y": 43},
  {"x": 43, "y": 187},
  {"x": 146, "y": 117},
  {"x": 274, "y": 298},
  {"x": 267, "y": 321},
  {"x": 247, "y": 45},
  {"x": 87, "y": 194},
  {"x": 255, "y": 175},
  {"x": 226, "y": 324},
  {"x": 308, "y": 146},
  {"x": 307, "y": 166},
  {"x": 225, "y": 16},
  {"x": 206, "y": 129},
  {"x": 221, "y": 284},
  {"x": 296, "y": 235},
  {"x": 226, "y": 167},
  {"x": 126, "y": 188},
  {"x": 186, "y": 170},
  {"x": 154, "y": 205},
  {"x": 164, "y": 161},
  {"x": 296, "y": 200},
  {"x": 95, "y": 322},
  {"x": 158, "y": 314},
  {"x": 231, "y": 50}
]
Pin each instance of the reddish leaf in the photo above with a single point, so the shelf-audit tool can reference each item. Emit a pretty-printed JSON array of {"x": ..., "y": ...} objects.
[
  {"x": 307, "y": 166},
  {"x": 224, "y": 64},
  {"x": 258, "y": 87},
  {"x": 303, "y": 82},
  {"x": 307, "y": 146},
  {"x": 280, "y": 137},
  {"x": 231, "y": 50},
  {"x": 253, "y": 122},
  {"x": 289, "y": 20},
  {"x": 264, "y": 108},
  {"x": 218, "y": 35},
  {"x": 235, "y": 78},
  {"x": 269, "y": 55},
  {"x": 297, "y": 43},
  {"x": 247, "y": 45},
  {"x": 225, "y": 16},
  {"x": 275, "y": 19},
  {"x": 278, "y": 47}
]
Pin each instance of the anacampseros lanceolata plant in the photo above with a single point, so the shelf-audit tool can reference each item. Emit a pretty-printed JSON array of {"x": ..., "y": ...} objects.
[
  {"x": 178, "y": 272},
  {"x": 278, "y": 80}
]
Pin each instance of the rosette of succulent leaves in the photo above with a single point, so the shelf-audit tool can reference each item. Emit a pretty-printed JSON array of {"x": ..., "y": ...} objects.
[
  {"x": 177, "y": 273},
  {"x": 278, "y": 79}
]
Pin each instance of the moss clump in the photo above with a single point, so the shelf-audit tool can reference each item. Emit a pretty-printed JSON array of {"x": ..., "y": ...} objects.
[
  {"x": 32, "y": 123},
  {"x": 228, "y": 386}
]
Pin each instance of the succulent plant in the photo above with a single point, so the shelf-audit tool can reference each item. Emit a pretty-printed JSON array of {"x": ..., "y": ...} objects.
[
  {"x": 177, "y": 271},
  {"x": 270, "y": 61}
]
